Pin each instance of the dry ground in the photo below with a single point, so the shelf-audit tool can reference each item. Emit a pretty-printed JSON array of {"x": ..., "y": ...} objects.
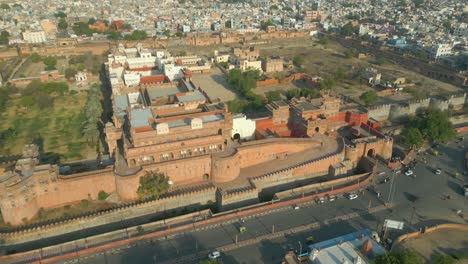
[
  {"x": 440, "y": 242},
  {"x": 30, "y": 69}
]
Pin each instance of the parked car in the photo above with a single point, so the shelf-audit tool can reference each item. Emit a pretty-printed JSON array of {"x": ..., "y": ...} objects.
[
  {"x": 438, "y": 171},
  {"x": 214, "y": 255},
  {"x": 320, "y": 200},
  {"x": 331, "y": 198},
  {"x": 352, "y": 196},
  {"x": 296, "y": 207},
  {"x": 408, "y": 172}
]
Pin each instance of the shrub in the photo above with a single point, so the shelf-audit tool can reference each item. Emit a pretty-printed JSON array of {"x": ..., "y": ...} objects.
[
  {"x": 102, "y": 195},
  {"x": 84, "y": 203}
]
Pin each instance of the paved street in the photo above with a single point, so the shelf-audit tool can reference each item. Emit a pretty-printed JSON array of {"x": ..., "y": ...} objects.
[{"x": 417, "y": 200}]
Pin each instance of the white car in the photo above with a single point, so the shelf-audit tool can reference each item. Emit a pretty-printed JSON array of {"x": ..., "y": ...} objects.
[
  {"x": 214, "y": 255},
  {"x": 352, "y": 196},
  {"x": 438, "y": 172},
  {"x": 409, "y": 173}
]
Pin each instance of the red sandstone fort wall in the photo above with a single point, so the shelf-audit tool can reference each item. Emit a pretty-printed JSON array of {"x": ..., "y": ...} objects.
[
  {"x": 189, "y": 170},
  {"x": 77, "y": 188},
  {"x": 253, "y": 155},
  {"x": 225, "y": 169}
]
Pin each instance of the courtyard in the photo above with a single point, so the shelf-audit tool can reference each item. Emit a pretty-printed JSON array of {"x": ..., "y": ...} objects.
[{"x": 215, "y": 85}]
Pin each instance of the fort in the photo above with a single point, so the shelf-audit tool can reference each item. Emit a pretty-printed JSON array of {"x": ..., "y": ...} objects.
[{"x": 172, "y": 127}]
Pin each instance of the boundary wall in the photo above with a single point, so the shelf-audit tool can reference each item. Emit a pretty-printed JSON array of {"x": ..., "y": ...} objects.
[
  {"x": 423, "y": 231},
  {"x": 39, "y": 255}
]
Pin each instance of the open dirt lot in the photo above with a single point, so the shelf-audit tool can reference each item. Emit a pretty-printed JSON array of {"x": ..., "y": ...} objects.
[
  {"x": 440, "y": 242},
  {"x": 215, "y": 85},
  {"x": 30, "y": 69}
]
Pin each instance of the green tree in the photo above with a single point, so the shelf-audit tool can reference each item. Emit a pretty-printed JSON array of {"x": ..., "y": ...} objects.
[
  {"x": 113, "y": 35},
  {"x": 126, "y": 26},
  {"x": 27, "y": 101},
  {"x": 136, "y": 35},
  {"x": 324, "y": 40},
  {"x": 62, "y": 24},
  {"x": 236, "y": 106},
  {"x": 70, "y": 73},
  {"x": 265, "y": 24},
  {"x": 81, "y": 28},
  {"x": 387, "y": 259},
  {"x": 273, "y": 7},
  {"x": 273, "y": 95},
  {"x": 35, "y": 58},
  {"x": 102, "y": 195},
  {"x": 435, "y": 124},
  {"x": 444, "y": 259},
  {"x": 93, "y": 110},
  {"x": 298, "y": 60},
  {"x": 152, "y": 185},
  {"x": 211, "y": 261},
  {"x": 369, "y": 97},
  {"x": 4, "y": 37},
  {"x": 347, "y": 30},
  {"x": 50, "y": 68},
  {"x": 49, "y": 60},
  {"x": 405, "y": 256},
  {"x": 327, "y": 83},
  {"x": 91, "y": 21},
  {"x": 44, "y": 100},
  {"x": 60, "y": 14},
  {"x": 224, "y": 64},
  {"x": 414, "y": 137},
  {"x": 418, "y": 3},
  {"x": 4, "y": 6}
]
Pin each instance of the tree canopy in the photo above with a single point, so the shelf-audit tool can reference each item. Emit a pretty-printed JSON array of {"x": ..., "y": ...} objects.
[
  {"x": 265, "y": 24},
  {"x": 93, "y": 110},
  {"x": 369, "y": 97},
  {"x": 137, "y": 35},
  {"x": 444, "y": 259},
  {"x": 405, "y": 256},
  {"x": 70, "y": 73},
  {"x": 60, "y": 14},
  {"x": 414, "y": 137},
  {"x": 327, "y": 83},
  {"x": 302, "y": 92},
  {"x": 4, "y": 37},
  {"x": 434, "y": 125},
  {"x": 35, "y": 58},
  {"x": 273, "y": 95},
  {"x": 49, "y": 60},
  {"x": 347, "y": 30},
  {"x": 152, "y": 185},
  {"x": 62, "y": 24},
  {"x": 298, "y": 60}
]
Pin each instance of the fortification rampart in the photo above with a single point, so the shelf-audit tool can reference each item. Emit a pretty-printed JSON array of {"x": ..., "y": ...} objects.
[
  {"x": 312, "y": 168},
  {"x": 320, "y": 187},
  {"x": 197, "y": 196},
  {"x": 237, "y": 198},
  {"x": 400, "y": 112}
]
